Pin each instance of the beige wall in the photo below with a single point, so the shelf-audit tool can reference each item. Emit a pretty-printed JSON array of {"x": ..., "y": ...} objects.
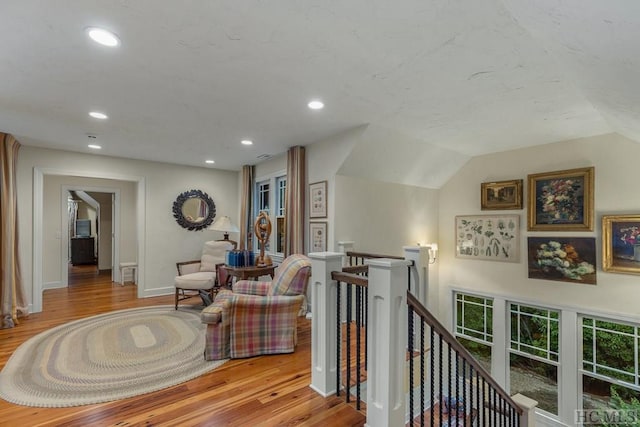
[
  {"x": 382, "y": 217},
  {"x": 612, "y": 156},
  {"x": 164, "y": 241}
]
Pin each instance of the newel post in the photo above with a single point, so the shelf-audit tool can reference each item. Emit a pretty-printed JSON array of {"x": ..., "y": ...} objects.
[
  {"x": 345, "y": 246},
  {"x": 387, "y": 331},
  {"x": 323, "y": 322},
  {"x": 528, "y": 405},
  {"x": 420, "y": 275}
]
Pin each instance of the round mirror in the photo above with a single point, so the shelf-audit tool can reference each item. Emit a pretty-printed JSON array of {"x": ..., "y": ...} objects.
[{"x": 194, "y": 210}]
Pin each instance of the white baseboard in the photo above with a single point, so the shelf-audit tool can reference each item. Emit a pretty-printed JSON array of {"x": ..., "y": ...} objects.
[{"x": 53, "y": 285}]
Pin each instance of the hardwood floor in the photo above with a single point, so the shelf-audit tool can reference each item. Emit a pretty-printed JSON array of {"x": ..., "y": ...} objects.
[{"x": 260, "y": 391}]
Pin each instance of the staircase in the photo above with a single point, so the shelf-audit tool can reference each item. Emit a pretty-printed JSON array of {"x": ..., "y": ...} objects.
[{"x": 366, "y": 318}]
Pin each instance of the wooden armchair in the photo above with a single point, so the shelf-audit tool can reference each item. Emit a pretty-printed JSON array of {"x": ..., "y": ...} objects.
[{"x": 199, "y": 277}]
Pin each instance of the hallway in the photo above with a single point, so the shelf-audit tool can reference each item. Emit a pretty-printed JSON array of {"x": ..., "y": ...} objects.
[{"x": 88, "y": 274}]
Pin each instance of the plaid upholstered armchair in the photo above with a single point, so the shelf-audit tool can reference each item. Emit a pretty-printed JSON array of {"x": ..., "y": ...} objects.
[{"x": 258, "y": 317}]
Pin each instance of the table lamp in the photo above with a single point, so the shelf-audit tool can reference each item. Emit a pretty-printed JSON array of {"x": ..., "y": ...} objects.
[{"x": 225, "y": 225}]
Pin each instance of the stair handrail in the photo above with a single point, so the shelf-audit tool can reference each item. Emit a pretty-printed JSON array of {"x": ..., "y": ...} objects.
[{"x": 448, "y": 337}]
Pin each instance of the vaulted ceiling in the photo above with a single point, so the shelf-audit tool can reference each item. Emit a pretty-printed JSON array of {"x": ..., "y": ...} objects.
[{"x": 435, "y": 79}]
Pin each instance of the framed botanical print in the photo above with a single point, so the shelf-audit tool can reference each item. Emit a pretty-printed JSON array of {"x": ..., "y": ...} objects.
[
  {"x": 621, "y": 243},
  {"x": 565, "y": 259},
  {"x": 317, "y": 237},
  {"x": 501, "y": 195},
  {"x": 488, "y": 237},
  {"x": 561, "y": 200},
  {"x": 318, "y": 200}
]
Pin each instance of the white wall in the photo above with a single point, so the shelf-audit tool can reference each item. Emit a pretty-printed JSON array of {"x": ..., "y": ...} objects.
[
  {"x": 615, "y": 193},
  {"x": 165, "y": 242},
  {"x": 382, "y": 217},
  {"x": 324, "y": 159},
  {"x": 106, "y": 223}
]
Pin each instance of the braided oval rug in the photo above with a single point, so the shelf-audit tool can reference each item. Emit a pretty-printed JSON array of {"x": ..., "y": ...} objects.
[{"x": 107, "y": 357}]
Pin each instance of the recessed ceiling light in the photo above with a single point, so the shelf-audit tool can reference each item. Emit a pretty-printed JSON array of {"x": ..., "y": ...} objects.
[
  {"x": 316, "y": 105},
  {"x": 246, "y": 142},
  {"x": 209, "y": 161},
  {"x": 102, "y": 36},
  {"x": 94, "y": 146},
  {"x": 98, "y": 115}
]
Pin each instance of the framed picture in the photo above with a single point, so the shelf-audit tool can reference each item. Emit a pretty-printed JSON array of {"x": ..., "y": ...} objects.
[
  {"x": 566, "y": 259},
  {"x": 561, "y": 200},
  {"x": 317, "y": 237},
  {"x": 621, "y": 243},
  {"x": 488, "y": 237},
  {"x": 318, "y": 200},
  {"x": 501, "y": 195}
]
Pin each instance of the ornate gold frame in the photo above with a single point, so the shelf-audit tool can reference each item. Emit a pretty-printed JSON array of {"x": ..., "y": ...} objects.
[
  {"x": 587, "y": 177},
  {"x": 610, "y": 262},
  {"x": 487, "y": 204}
]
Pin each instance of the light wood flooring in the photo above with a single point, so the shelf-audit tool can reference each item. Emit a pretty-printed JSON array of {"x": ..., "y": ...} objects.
[{"x": 260, "y": 391}]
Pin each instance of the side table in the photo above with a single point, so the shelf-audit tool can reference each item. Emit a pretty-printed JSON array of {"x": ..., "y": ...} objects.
[{"x": 251, "y": 272}]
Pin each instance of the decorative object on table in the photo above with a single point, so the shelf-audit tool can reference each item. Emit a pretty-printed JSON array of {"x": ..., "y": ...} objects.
[
  {"x": 561, "y": 200},
  {"x": 501, "y": 195},
  {"x": 621, "y": 243},
  {"x": 566, "y": 259},
  {"x": 240, "y": 258},
  {"x": 317, "y": 237},
  {"x": 194, "y": 210},
  {"x": 318, "y": 200},
  {"x": 262, "y": 230},
  {"x": 225, "y": 225},
  {"x": 488, "y": 237},
  {"x": 107, "y": 357}
]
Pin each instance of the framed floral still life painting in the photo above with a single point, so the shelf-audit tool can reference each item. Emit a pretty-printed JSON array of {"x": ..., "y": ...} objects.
[
  {"x": 565, "y": 259},
  {"x": 561, "y": 200},
  {"x": 501, "y": 195},
  {"x": 488, "y": 237},
  {"x": 621, "y": 243}
]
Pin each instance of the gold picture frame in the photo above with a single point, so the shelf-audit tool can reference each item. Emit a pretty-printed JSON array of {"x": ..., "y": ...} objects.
[
  {"x": 621, "y": 243},
  {"x": 501, "y": 195},
  {"x": 561, "y": 200}
]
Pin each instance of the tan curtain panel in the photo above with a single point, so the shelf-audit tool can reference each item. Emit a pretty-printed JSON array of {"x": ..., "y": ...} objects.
[
  {"x": 294, "y": 207},
  {"x": 245, "y": 208},
  {"x": 12, "y": 300}
]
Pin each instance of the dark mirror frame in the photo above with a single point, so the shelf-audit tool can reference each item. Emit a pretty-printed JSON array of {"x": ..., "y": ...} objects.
[{"x": 185, "y": 223}]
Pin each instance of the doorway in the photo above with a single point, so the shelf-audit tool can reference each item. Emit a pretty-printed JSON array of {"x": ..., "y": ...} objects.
[
  {"x": 39, "y": 243},
  {"x": 91, "y": 235}
]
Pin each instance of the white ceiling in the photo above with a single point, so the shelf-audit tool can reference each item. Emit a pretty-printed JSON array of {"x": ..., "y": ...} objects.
[{"x": 193, "y": 78}]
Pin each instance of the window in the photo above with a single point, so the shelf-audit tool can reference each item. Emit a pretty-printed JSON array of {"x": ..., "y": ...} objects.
[
  {"x": 610, "y": 362},
  {"x": 273, "y": 203},
  {"x": 534, "y": 354},
  {"x": 474, "y": 326}
]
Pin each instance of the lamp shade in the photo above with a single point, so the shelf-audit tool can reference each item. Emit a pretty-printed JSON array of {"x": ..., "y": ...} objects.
[{"x": 224, "y": 224}]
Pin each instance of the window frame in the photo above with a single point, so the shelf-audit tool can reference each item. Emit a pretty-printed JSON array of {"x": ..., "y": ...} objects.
[
  {"x": 276, "y": 205},
  {"x": 459, "y": 330},
  {"x": 592, "y": 373}
]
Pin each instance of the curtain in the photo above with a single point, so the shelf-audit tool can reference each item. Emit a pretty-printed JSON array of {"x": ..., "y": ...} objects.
[
  {"x": 12, "y": 301},
  {"x": 294, "y": 207},
  {"x": 246, "y": 219}
]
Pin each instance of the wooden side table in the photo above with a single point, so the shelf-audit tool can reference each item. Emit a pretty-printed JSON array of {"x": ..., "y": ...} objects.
[{"x": 251, "y": 272}]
